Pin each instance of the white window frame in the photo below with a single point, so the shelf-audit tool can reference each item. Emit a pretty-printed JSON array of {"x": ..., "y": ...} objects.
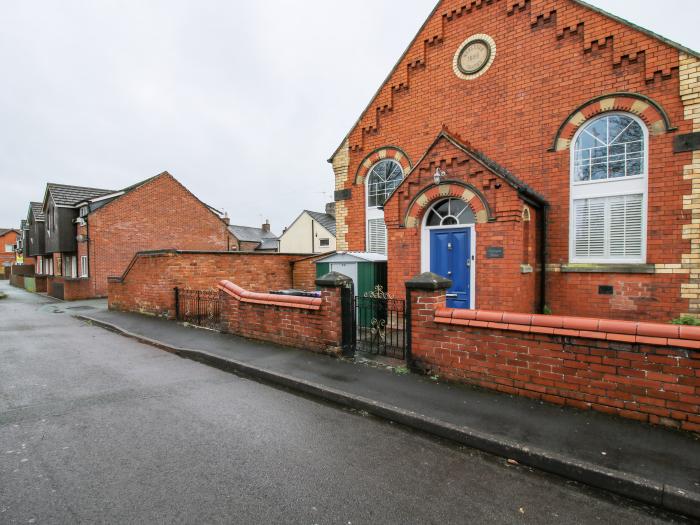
[
  {"x": 324, "y": 243},
  {"x": 40, "y": 265},
  {"x": 581, "y": 190},
  {"x": 377, "y": 212},
  {"x": 11, "y": 248},
  {"x": 84, "y": 266}
]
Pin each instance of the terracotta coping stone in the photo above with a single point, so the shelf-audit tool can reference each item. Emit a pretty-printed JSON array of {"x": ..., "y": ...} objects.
[
  {"x": 655, "y": 334},
  {"x": 289, "y": 301}
]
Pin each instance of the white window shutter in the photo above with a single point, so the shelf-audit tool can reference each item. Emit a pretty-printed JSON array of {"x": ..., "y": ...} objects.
[
  {"x": 609, "y": 227},
  {"x": 626, "y": 226},
  {"x": 590, "y": 228},
  {"x": 376, "y": 236}
]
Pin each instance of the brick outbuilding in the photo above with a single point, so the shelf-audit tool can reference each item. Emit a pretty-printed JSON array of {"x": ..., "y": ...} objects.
[{"x": 542, "y": 154}]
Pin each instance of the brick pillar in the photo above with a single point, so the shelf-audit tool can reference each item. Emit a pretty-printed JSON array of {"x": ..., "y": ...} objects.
[
  {"x": 230, "y": 316},
  {"x": 336, "y": 293},
  {"x": 424, "y": 294}
]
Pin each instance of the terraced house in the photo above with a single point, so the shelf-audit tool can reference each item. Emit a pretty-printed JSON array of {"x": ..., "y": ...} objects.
[
  {"x": 542, "y": 154},
  {"x": 8, "y": 245},
  {"x": 81, "y": 236}
]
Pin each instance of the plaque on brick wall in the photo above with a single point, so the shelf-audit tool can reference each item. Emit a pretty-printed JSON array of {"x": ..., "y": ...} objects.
[
  {"x": 494, "y": 252},
  {"x": 474, "y": 56}
]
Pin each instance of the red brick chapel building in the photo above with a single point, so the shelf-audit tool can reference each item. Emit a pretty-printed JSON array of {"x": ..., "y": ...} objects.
[{"x": 519, "y": 136}]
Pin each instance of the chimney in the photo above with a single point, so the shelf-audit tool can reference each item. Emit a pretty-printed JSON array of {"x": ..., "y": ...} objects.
[
  {"x": 330, "y": 208},
  {"x": 226, "y": 220},
  {"x": 266, "y": 226}
]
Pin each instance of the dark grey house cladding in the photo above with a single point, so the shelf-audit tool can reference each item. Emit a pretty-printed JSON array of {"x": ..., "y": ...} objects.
[
  {"x": 59, "y": 207},
  {"x": 35, "y": 233}
]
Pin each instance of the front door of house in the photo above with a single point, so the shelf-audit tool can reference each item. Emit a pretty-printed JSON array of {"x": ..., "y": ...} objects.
[{"x": 450, "y": 256}]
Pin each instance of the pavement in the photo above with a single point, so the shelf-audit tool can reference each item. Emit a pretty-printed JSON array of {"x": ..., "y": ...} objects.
[
  {"x": 655, "y": 465},
  {"x": 99, "y": 428}
]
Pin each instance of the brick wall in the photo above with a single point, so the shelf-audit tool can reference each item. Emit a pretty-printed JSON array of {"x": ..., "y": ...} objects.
[
  {"x": 304, "y": 272},
  {"x": 584, "y": 363},
  {"x": 69, "y": 289},
  {"x": 311, "y": 327},
  {"x": 147, "y": 285},
  {"x": 160, "y": 214},
  {"x": 512, "y": 114}
]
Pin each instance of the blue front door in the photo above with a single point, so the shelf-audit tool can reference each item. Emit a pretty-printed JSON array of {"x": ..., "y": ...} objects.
[{"x": 450, "y": 256}]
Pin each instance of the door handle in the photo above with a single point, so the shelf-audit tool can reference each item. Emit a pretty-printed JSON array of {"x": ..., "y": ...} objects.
[{"x": 452, "y": 296}]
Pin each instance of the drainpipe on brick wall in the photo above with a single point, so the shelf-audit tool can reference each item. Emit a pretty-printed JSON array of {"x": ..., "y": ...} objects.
[
  {"x": 87, "y": 252},
  {"x": 543, "y": 257}
]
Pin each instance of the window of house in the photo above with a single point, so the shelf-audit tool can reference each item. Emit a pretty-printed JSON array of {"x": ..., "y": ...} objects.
[
  {"x": 324, "y": 243},
  {"x": 376, "y": 235},
  {"x": 382, "y": 180},
  {"x": 70, "y": 266},
  {"x": 9, "y": 248},
  {"x": 450, "y": 212},
  {"x": 83, "y": 266},
  {"x": 40, "y": 265},
  {"x": 609, "y": 191}
]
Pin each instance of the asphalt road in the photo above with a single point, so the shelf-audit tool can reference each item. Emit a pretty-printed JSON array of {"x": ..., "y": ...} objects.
[{"x": 98, "y": 428}]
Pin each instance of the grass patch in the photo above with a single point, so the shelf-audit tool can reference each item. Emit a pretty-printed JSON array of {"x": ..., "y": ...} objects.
[{"x": 686, "y": 320}]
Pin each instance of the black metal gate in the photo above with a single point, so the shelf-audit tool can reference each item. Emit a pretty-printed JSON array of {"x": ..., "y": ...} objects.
[
  {"x": 380, "y": 324},
  {"x": 198, "y": 307}
]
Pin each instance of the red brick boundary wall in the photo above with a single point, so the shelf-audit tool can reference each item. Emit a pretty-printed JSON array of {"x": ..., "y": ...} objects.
[
  {"x": 310, "y": 323},
  {"x": 18, "y": 272},
  {"x": 644, "y": 371},
  {"x": 68, "y": 288},
  {"x": 147, "y": 285}
]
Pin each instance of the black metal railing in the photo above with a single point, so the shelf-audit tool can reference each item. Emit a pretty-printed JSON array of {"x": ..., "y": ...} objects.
[
  {"x": 380, "y": 325},
  {"x": 198, "y": 307}
]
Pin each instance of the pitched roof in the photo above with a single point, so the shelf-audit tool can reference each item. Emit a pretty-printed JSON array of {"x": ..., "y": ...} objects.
[
  {"x": 250, "y": 234},
  {"x": 490, "y": 164},
  {"x": 3, "y": 231},
  {"x": 325, "y": 220},
  {"x": 435, "y": 9},
  {"x": 37, "y": 211},
  {"x": 64, "y": 195},
  {"x": 269, "y": 244}
]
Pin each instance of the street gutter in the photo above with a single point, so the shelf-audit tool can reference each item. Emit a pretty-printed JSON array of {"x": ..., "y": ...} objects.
[{"x": 616, "y": 481}]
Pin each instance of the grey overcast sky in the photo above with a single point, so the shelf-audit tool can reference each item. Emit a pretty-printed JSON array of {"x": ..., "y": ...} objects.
[{"x": 243, "y": 102}]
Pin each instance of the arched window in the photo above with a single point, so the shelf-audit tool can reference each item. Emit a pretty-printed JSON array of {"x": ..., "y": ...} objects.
[
  {"x": 382, "y": 180},
  {"x": 608, "y": 190},
  {"x": 450, "y": 212}
]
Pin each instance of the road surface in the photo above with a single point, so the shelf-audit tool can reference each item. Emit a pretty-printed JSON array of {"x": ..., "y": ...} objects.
[{"x": 99, "y": 428}]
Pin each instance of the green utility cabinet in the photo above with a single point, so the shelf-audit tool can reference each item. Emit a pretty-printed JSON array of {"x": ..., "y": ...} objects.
[{"x": 367, "y": 270}]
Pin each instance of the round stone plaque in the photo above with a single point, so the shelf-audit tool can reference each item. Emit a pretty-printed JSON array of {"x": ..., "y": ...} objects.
[{"x": 474, "y": 56}]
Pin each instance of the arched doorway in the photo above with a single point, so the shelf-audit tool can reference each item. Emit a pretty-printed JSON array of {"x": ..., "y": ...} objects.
[{"x": 448, "y": 248}]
